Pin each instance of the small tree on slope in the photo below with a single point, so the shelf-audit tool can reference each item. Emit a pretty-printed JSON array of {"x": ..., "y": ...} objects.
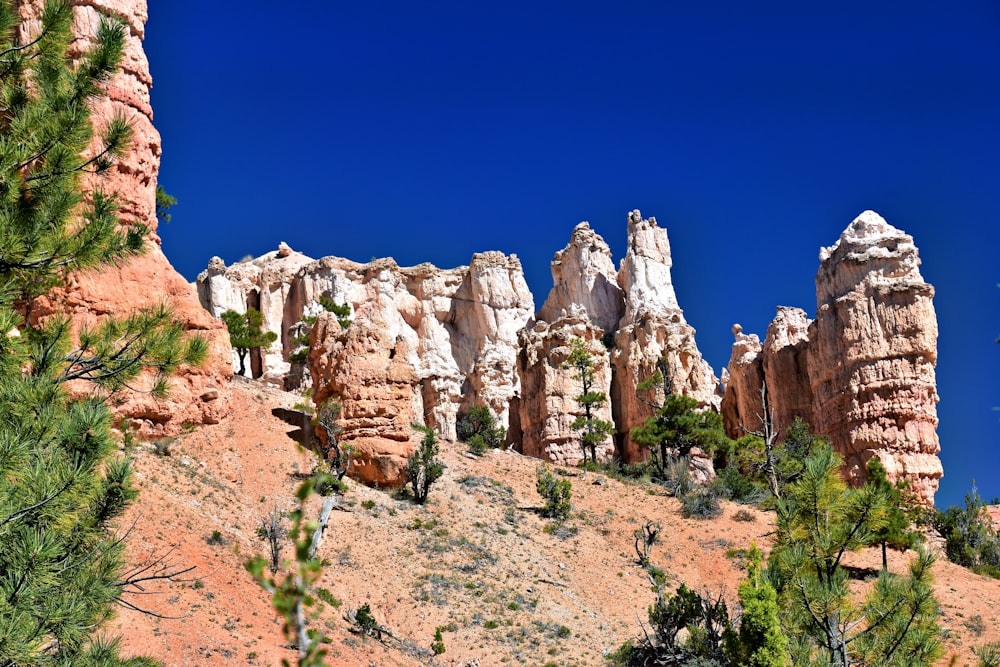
[
  {"x": 593, "y": 431},
  {"x": 60, "y": 482},
  {"x": 245, "y": 333}
]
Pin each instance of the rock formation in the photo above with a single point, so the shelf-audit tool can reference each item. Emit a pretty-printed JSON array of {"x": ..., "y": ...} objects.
[
  {"x": 366, "y": 369},
  {"x": 782, "y": 359},
  {"x": 197, "y": 395},
  {"x": 584, "y": 277},
  {"x": 467, "y": 336},
  {"x": 454, "y": 329},
  {"x": 862, "y": 372},
  {"x": 549, "y": 389},
  {"x": 653, "y": 328},
  {"x": 635, "y": 313},
  {"x": 263, "y": 284},
  {"x": 873, "y": 353},
  {"x": 428, "y": 343},
  {"x": 741, "y": 403}
]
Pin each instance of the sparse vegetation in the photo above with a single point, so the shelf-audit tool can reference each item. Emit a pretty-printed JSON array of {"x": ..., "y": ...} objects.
[
  {"x": 423, "y": 467},
  {"x": 292, "y": 594},
  {"x": 301, "y": 330},
  {"x": 245, "y": 333},
  {"x": 478, "y": 428},
  {"x": 593, "y": 431},
  {"x": 645, "y": 538},
  {"x": 216, "y": 539},
  {"x": 338, "y": 455},
  {"x": 272, "y": 530},
  {"x": 989, "y": 655},
  {"x": 970, "y": 538},
  {"x": 366, "y": 623},
  {"x": 700, "y": 503},
  {"x": 555, "y": 492},
  {"x": 437, "y": 646}
]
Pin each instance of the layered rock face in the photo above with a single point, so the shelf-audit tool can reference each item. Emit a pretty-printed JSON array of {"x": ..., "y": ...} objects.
[
  {"x": 366, "y": 369},
  {"x": 549, "y": 388},
  {"x": 873, "y": 353},
  {"x": 454, "y": 329},
  {"x": 584, "y": 278},
  {"x": 783, "y": 360},
  {"x": 197, "y": 395},
  {"x": 862, "y": 372},
  {"x": 634, "y": 312},
  {"x": 653, "y": 328}
]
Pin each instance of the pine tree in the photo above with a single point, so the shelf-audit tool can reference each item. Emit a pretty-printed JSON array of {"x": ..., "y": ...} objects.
[
  {"x": 423, "y": 467},
  {"x": 676, "y": 429},
  {"x": 164, "y": 202},
  {"x": 593, "y": 431},
  {"x": 61, "y": 484},
  {"x": 760, "y": 641},
  {"x": 896, "y": 532},
  {"x": 245, "y": 333},
  {"x": 819, "y": 521}
]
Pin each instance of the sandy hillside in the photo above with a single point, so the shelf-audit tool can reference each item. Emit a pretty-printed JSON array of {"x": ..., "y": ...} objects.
[{"x": 477, "y": 560}]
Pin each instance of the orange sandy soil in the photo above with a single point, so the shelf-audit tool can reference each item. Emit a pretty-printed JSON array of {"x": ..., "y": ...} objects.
[{"x": 476, "y": 559}]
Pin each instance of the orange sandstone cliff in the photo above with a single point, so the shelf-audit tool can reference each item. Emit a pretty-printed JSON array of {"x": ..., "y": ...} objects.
[{"x": 198, "y": 395}]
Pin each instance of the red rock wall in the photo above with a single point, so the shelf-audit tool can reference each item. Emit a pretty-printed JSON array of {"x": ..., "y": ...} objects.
[
  {"x": 197, "y": 395},
  {"x": 873, "y": 348},
  {"x": 366, "y": 370},
  {"x": 548, "y": 405},
  {"x": 862, "y": 373}
]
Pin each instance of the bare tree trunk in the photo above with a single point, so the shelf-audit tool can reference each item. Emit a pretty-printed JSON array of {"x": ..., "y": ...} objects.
[{"x": 768, "y": 435}]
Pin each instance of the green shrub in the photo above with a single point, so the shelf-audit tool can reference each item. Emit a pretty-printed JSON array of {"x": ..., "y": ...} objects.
[
  {"x": 989, "y": 655},
  {"x": 328, "y": 597},
  {"x": 700, "y": 503},
  {"x": 366, "y": 622},
  {"x": 556, "y": 493},
  {"x": 438, "y": 644},
  {"x": 676, "y": 476},
  {"x": 732, "y": 484},
  {"x": 216, "y": 539},
  {"x": 970, "y": 538},
  {"x": 479, "y": 430}
]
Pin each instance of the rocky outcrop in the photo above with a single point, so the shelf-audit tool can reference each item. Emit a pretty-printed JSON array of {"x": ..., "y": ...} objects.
[
  {"x": 741, "y": 403},
  {"x": 640, "y": 320},
  {"x": 366, "y": 369},
  {"x": 652, "y": 329},
  {"x": 584, "y": 278},
  {"x": 786, "y": 356},
  {"x": 428, "y": 343},
  {"x": 549, "y": 389},
  {"x": 264, "y": 284},
  {"x": 862, "y": 372},
  {"x": 783, "y": 360},
  {"x": 197, "y": 395},
  {"x": 459, "y": 326},
  {"x": 873, "y": 348}
]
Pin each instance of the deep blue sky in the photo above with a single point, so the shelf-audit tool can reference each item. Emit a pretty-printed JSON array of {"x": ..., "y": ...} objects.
[{"x": 754, "y": 132}]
